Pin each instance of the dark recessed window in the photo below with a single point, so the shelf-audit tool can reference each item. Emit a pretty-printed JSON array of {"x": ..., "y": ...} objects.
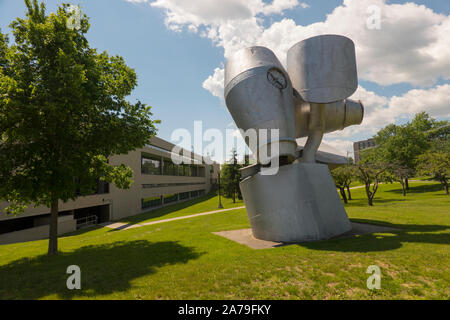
[
  {"x": 169, "y": 168},
  {"x": 194, "y": 194},
  {"x": 151, "y": 202},
  {"x": 169, "y": 198},
  {"x": 187, "y": 170},
  {"x": 151, "y": 165},
  {"x": 194, "y": 171},
  {"x": 184, "y": 195}
]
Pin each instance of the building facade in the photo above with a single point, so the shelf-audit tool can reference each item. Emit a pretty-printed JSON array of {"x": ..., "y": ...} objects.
[
  {"x": 362, "y": 145},
  {"x": 157, "y": 182}
]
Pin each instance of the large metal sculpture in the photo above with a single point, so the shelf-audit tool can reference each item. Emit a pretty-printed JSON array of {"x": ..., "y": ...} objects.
[{"x": 299, "y": 202}]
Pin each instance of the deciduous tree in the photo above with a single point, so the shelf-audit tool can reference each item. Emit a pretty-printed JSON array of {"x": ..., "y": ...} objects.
[
  {"x": 371, "y": 171},
  {"x": 341, "y": 177},
  {"x": 399, "y": 173},
  {"x": 63, "y": 113},
  {"x": 401, "y": 145},
  {"x": 437, "y": 165}
]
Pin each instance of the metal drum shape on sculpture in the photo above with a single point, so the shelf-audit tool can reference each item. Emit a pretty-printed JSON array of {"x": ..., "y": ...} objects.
[
  {"x": 337, "y": 115},
  {"x": 299, "y": 203},
  {"x": 258, "y": 94},
  {"x": 323, "y": 68}
]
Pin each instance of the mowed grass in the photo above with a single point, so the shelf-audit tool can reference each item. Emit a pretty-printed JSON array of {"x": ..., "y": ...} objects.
[
  {"x": 206, "y": 203},
  {"x": 184, "y": 260}
]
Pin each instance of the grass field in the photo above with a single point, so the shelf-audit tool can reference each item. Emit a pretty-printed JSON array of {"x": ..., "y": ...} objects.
[
  {"x": 184, "y": 260},
  {"x": 204, "y": 204}
]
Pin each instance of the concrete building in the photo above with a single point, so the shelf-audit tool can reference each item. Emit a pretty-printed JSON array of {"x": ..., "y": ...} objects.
[
  {"x": 157, "y": 182},
  {"x": 362, "y": 145}
]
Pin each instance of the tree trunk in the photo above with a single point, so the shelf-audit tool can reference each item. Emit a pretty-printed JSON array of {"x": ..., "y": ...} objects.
[
  {"x": 349, "y": 194},
  {"x": 444, "y": 182},
  {"x": 407, "y": 183},
  {"x": 369, "y": 194},
  {"x": 53, "y": 235},
  {"x": 403, "y": 187},
  {"x": 344, "y": 197}
]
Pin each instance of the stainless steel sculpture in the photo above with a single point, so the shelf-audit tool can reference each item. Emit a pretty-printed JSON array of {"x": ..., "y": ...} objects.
[
  {"x": 300, "y": 202},
  {"x": 258, "y": 94}
]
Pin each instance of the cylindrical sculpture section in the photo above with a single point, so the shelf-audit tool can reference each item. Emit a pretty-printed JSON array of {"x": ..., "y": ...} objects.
[
  {"x": 354, "y": 112},
  {"x": 258, "y": 94},
  {"x": 323, "y": 68},
  {"x": 338, "y": 115}
]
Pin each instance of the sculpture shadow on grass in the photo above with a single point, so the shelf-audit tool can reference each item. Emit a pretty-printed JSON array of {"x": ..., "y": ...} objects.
[
  {"x": 105, "y": 269},
  {"x": 383, "y": 241}
]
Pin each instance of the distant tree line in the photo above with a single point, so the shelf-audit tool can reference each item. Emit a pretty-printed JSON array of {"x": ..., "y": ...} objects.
[{"x": 419, "y": 147}]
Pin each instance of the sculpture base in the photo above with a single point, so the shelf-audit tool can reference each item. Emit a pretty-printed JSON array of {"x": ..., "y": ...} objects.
[{"x": 299, "y": 203}]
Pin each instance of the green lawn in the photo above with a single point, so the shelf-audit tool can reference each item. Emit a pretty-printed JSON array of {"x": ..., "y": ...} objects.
[
  {"x": 184, "y": 260},
  {"x": 206, "y": 203}
]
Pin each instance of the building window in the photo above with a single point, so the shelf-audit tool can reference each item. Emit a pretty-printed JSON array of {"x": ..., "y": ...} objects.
[
  {"x": 184, "y": 195},
  {"x": 201, "y": 193},
  {"x": 151, "y": 202},
  {"x": 169, "y": 168},
  {"x": 102, "y": 187},
  {"x": 150, "y": 165},
  {"x": 194, "y": 171},
  {"x": 187, "y": 170},
  {"x": 169, "y": 198},
  {"x": 180, "y": 170},
  {"x": 177, "y": 184},
  {"x": 194, "y": 194}
]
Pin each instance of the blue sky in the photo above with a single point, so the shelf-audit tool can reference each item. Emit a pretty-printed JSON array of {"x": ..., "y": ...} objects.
[{"x": 178, "y": 51}]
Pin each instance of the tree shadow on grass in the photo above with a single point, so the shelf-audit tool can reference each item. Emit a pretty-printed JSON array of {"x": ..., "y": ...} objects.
[
  {"x": 383, "y": 241},
  {"x": 358, "y": 202},
  {"x": 81, "y": 231},
  {"x": 419, "y": 189},
  {"x": 105, "y": 269}
]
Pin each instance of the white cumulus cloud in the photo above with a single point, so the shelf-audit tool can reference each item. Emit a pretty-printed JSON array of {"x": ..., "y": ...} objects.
[
  {"x": 412, "y": 46},
  {"x": 435, "y": 101},
  {"x": 214, "y": 83}
]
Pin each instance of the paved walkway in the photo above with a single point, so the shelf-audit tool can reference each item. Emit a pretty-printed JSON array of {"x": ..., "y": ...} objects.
[{"x": 126, "y": 226}]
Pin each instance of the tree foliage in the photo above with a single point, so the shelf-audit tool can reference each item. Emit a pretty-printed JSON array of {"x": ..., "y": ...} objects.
[
  {"x": 63, "y": 112},
  {"x": 343, "y": 177},
  {"x": 230, "y": 177},
  {"x": 399, "y": 173},
  {"x": 437, "y": 165},
  {"x": 371, "y": 170},
  {"x": 401, "y": 145}
]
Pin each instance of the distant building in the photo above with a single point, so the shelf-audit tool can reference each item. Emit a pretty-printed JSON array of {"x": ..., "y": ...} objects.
[
  {"x": 362, "y": 145},
  {"x": 157, "y": 182}
]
